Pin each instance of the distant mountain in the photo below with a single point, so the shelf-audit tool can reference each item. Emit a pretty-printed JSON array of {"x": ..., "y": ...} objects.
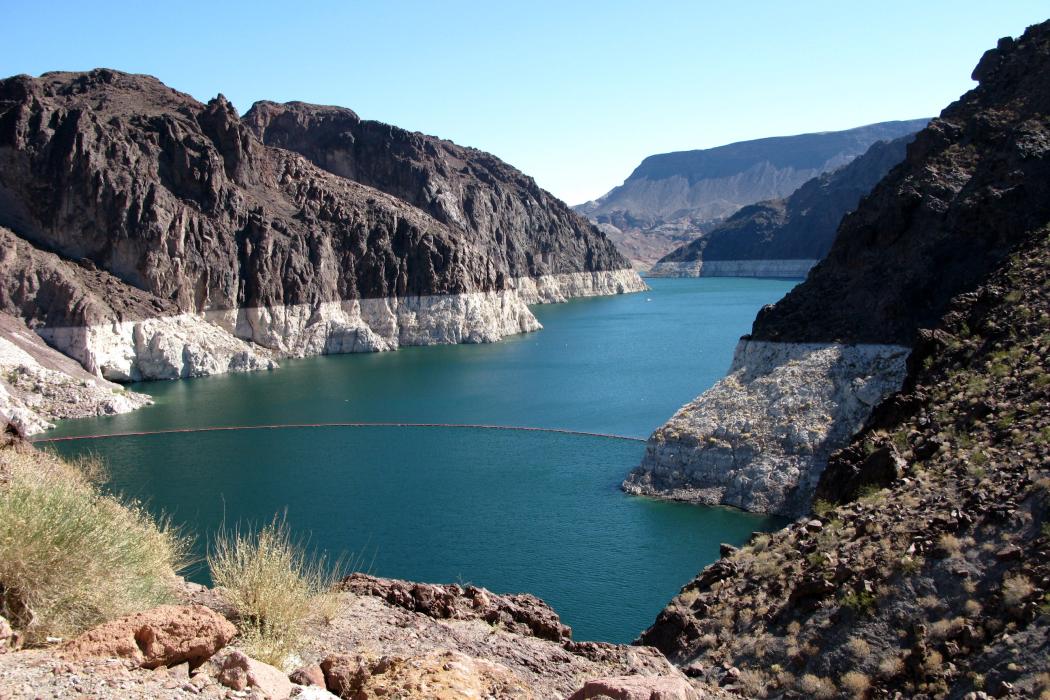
[
  {"x": 672, "y": 198},
  {"x": 784, "y": 237}
]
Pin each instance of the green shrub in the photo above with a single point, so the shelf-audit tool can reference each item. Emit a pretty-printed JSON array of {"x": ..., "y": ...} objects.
[
  {"x": 274, "y": 586},
  {"x": 72, "y": 556},
  {"x": 822, "y": 507},
  {"x": 860, "y": 602}
]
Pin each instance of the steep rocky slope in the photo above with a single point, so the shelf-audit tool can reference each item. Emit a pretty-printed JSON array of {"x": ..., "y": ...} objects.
[
  {"x": 931, "y": 577},
  {"x": 218, "y": 252},
  {"x": 784, "y": 237},
  {"x": 975, "y": 184},
  {"x": 672, "y": 198}
]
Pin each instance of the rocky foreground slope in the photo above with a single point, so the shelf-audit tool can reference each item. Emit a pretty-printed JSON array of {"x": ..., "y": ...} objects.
[
  {"x": 784, "y": 237},
  {"x": 672, "y": 198},
  {"x": 973, "y": 189},
  {"x": 931, "y": 577},
  {"x": 147, "y": 235}
]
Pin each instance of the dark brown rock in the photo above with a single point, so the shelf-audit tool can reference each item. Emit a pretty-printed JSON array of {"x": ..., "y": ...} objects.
[
  {"x": 184, "y": 201},
  {"x": 974, "y": 184}
]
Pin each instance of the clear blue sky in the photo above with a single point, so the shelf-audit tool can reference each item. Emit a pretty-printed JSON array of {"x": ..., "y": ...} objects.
[{"x": 573, "y": 93}]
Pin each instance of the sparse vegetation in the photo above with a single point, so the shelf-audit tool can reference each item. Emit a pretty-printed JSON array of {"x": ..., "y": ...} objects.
[
  {"x": 860, "y": 602},
  {"x": 73, "y": 556},
  {"x": 1016, "y": 589},
  {"x": 822, "y": 508},
  {"x": 816, "y": 687},
  {"x": 274, "y": 585},
  {"x": 855, "y": 683}
]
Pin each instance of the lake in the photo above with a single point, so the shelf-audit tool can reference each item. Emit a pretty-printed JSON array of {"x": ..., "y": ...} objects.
[{"x": 512, "y": 511}]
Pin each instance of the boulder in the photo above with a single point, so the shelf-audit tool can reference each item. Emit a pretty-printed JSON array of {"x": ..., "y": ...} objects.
[
  {"x": 7, "y": 635},
  {"x": 241, "y": 672},
  {"x": 311, "y": 674},
  {"x": 345, "y": 674},
  {"x": 167, "y": 635},
  {"x": 445, "y": 675},
  {"x": 638, "y": 688},
  {"x": 520, "y": 613}
]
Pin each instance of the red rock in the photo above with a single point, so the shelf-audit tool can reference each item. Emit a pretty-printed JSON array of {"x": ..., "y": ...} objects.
[
  {"x": 638, "y": 688},
  {"x": 310, "y": 674},
  {"x": 167, "y": 635},
  {"x": 241, "y": 672},
  {"x": 345, "y": 674}
]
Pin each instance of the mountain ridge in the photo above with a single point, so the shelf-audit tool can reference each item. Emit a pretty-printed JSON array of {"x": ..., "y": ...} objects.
[
  {"x": 671, "y": 198},
  {"x": 800, "y": 227}
]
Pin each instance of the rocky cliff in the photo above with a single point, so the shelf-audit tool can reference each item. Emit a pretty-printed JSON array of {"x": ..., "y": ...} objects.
[
  {"x": 149, "y": 235},
  {"x": 973, "y": 187},
  {"x": 672, "y": 198},
  {"x": 924, "y": 571},
  {"x": 784, "y": 237}
]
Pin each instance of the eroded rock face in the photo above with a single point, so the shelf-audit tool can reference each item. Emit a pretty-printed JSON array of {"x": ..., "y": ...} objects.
[
  {"x": 167, "y": 635},
  {"x": 927, "y": 571},
  {"x": 200, "y": 249},
  {"x": 473, "y": 193},
  {"x": 760, "y": 438},
  {"x": 975, "y": 185},
  {"x": 39, "y": 384}
]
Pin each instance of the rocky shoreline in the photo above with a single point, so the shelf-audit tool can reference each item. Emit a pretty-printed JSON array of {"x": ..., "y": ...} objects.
[
  {"x": 760, "y": 438},
  {"x": 386, "y": 638},
  {"x": 244, "y": 340},
  {"x": 150, "y": 236},
  {"x": 788, "y": 269}
]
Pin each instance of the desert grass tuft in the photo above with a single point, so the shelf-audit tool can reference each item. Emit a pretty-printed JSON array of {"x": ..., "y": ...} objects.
[
  {"x": 73, "y": 556},
  {"x": 275, "y": 586}
]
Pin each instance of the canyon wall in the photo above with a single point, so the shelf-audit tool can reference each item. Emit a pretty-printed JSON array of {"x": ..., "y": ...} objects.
[
  {"x": 148, "y": 235},
  {"x": 974, "y": 185}
]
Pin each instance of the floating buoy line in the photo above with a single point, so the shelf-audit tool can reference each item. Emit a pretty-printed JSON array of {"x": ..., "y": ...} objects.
[{"x": 288, "y": 426}]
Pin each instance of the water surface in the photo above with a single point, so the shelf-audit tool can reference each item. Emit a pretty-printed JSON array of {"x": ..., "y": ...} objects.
[{"x": 533, "y": 512}]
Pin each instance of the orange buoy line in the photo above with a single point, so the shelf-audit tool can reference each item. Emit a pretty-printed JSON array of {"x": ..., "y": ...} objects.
[{"x": 285, "y": 426}]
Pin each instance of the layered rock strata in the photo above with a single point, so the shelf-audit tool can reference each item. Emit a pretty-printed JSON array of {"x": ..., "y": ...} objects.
[
  {"x": 974, "y": 186},
  {"x": 150, "y": 236}
]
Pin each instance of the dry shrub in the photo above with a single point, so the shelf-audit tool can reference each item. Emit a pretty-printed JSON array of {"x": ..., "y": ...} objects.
[
  {"x": 754, "y": 682},
  {"x": 859, "y": 648},
  {"x": 816, "y": 687},
  {"x": 1016, "y": 589},
  {"x": 856, "y": 684},
  {"x": 274, "y": 585},
  {"x": 951, "y": 545},
  {"x": 891, "y": 666},
  {"x": 73, "y": 556},
  {"x": 943, "y": 629}
]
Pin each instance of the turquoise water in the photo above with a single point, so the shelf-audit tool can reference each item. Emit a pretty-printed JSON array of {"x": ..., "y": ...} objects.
[{"x": 535, "y": 512}]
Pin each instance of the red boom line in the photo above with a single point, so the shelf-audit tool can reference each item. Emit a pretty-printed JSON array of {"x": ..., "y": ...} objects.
[{"x": 216, "y": 429}]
